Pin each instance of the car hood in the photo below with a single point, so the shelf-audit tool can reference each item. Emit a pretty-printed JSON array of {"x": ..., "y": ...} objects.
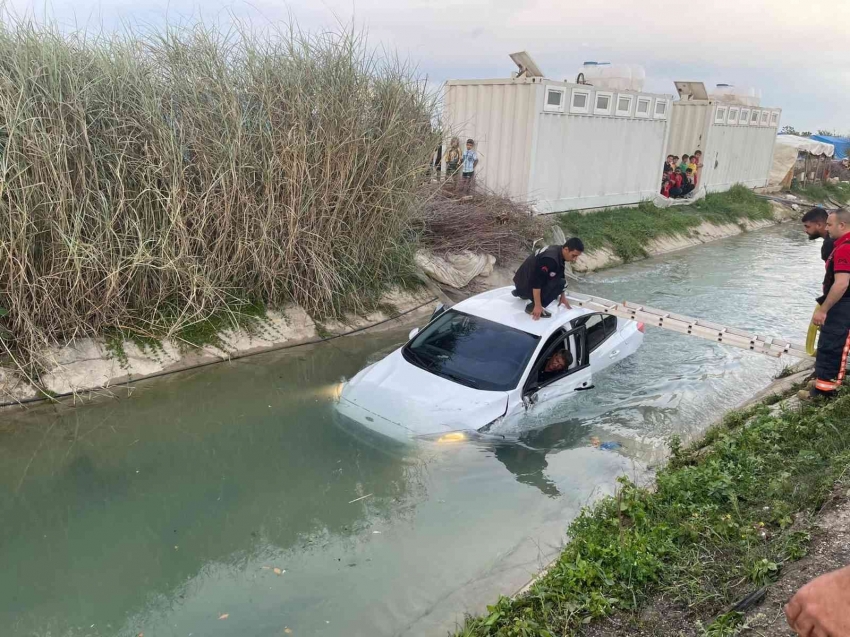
[{"x": 419, "y": 401}]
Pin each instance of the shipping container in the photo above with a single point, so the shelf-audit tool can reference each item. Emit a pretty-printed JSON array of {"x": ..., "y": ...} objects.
[
  {"x": 561, "y": 145},
  {"x": 736, "y": 141}
]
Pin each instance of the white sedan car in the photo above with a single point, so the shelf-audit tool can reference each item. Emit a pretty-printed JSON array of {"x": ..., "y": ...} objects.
[{"x": 483, "y": 362}]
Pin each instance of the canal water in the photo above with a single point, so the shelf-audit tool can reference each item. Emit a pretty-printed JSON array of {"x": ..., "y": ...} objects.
[{"x": 226, "y": 501}]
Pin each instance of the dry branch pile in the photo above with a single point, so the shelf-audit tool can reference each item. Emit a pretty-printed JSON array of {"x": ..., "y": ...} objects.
[{"x": 484, "y": 223}]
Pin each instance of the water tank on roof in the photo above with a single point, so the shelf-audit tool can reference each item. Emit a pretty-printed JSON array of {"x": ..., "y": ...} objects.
[
  {"x": 746, "y": 95},
  {"x": 616, "y": 77}
]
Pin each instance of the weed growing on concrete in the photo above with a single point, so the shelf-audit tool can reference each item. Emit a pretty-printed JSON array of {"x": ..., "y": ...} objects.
[{"x": 717, "y": 526}]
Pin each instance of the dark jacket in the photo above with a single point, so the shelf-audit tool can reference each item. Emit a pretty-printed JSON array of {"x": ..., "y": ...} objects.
[
  {"x": 827, "y": 247},
  {"x": 538, "y": 269}
]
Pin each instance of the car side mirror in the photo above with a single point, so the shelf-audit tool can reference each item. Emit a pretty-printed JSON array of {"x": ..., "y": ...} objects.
[{"x": 413, "y": 333}]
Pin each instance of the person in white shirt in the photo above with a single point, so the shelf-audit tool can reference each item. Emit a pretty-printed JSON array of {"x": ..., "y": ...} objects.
[{"x": 470, "y": 161}]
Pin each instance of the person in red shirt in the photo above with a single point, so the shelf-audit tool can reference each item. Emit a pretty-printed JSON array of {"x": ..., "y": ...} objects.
[
  {"x": 834, "y": 313},
  {"x": 676, "y": 181}
]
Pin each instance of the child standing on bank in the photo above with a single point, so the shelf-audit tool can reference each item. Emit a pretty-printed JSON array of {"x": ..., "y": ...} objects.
[
  {"x": 470, "y": 161},
  {"x": 452, "y": 158}
]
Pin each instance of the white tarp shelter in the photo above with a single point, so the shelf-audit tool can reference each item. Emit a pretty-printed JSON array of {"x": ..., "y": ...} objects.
[
  {"x": 787, "y": 152},
  {"x": 811, "y": 146},
  {"x": 561, "y": 145}
]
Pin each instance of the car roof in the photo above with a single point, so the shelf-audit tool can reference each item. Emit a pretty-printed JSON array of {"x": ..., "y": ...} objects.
[{"x": 500, "y": 306}]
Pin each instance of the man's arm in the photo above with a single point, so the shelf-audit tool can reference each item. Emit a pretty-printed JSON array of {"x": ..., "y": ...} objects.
[
  {"x": 538, "y": 304},
  {"x": 542, "y": 273},
  {"x": 839, "y": 287}
]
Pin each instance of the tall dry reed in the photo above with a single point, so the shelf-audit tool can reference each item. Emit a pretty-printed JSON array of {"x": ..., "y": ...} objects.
[{"x": 151, "y": 180}]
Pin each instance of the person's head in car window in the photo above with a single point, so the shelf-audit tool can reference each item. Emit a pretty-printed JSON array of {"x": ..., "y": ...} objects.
[{"x": 557, "y": 362}]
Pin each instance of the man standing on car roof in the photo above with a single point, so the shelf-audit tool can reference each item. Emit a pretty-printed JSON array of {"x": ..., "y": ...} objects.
[
  {"x": 541, "y": 278},
  {"x": 833, "y": 313}
]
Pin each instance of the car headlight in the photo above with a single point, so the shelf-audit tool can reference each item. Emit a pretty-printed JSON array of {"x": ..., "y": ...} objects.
[
  {"x": 334, "y": 392},
  {"x": 446, "y": 437}
]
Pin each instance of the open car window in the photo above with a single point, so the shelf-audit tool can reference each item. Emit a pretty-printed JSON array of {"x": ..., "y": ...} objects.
[
  {"x": 600, "y": 327},
  {"x": 472, "y": 351},
  {"x": 569, "y": 347}
]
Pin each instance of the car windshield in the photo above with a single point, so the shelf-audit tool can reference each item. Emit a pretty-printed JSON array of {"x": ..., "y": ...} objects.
[{"x": 472, "y": 351}]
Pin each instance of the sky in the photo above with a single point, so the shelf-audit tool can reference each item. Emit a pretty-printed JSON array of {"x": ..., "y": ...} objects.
[{"x": 796, "y": 52}]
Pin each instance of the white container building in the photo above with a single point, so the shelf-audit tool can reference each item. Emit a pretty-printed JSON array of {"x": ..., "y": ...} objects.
[
  {"x": 561, "y": 145},
  {"x": 736, "y": 137}
]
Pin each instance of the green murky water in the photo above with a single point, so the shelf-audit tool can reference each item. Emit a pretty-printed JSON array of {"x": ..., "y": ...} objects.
[{"x": 167, "y": 512}]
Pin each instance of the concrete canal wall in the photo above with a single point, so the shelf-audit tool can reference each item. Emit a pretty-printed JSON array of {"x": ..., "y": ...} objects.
[{"x": 93, "y": 365}]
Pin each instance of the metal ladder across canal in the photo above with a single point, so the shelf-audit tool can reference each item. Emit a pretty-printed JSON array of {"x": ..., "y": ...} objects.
[{"x": 700, "y": 328}]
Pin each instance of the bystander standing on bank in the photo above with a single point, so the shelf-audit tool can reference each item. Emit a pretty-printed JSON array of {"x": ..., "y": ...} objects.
[
  {"x": 814, "y": 223},
  {"x": 452, "y": 159},
  {"x": 833, "y": 313},
  {"x": 470, "y": 161}
]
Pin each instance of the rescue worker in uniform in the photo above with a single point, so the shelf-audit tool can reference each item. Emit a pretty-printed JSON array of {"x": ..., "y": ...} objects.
[
  {"x": 814, "y": 223},
  {"x": 541, "y": 278},
  {"x": 833, "y": 315}
]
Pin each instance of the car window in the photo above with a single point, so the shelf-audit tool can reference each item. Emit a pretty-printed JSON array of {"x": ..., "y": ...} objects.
[
  {"x": 599, "y": 328},
  {"x": 570, "y": 347},
  {"x": 472, "y": 351}
]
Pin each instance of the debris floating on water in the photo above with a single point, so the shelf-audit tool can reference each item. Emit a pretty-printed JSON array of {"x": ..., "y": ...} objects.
[{"x": 361, "y": 498}]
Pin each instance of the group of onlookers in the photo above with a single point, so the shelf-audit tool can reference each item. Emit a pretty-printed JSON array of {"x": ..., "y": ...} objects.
[
  {"x": 681, "y": 175},
  {"x": 457, "y": 161}
]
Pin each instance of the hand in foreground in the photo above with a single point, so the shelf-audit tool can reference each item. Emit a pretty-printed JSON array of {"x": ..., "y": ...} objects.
[
  {"x": 565, "y": 303},
  {"x": 819, "y": 317},
  {"x": 536, "y": 312},
  {"x": 820, "y": 608}
]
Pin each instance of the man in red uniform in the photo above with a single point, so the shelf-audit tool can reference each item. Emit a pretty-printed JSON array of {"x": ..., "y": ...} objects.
[{"x": 834, "y": 313}]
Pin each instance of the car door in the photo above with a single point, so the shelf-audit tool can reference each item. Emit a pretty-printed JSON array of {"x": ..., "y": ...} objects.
[
  {"x": 538, "y": 396},
  {"x": 603, "y": 339}
]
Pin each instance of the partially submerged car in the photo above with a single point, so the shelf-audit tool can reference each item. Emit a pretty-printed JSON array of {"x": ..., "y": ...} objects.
[{"x": 481, "y": 363}]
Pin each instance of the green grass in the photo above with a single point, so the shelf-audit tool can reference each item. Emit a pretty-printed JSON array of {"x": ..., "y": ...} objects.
[
  {"x": 628, "y": 231},
  {"x": 821, "y": 193},
  {"x": 716, "y": 526},
  {"x": 243, "y": 315}
]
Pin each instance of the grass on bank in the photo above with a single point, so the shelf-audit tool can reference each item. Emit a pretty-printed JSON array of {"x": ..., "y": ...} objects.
[
  {"x": 628, "y": 231},
  {"x": 821, "y": 193},
  {"x": 718, "y": 524}
]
